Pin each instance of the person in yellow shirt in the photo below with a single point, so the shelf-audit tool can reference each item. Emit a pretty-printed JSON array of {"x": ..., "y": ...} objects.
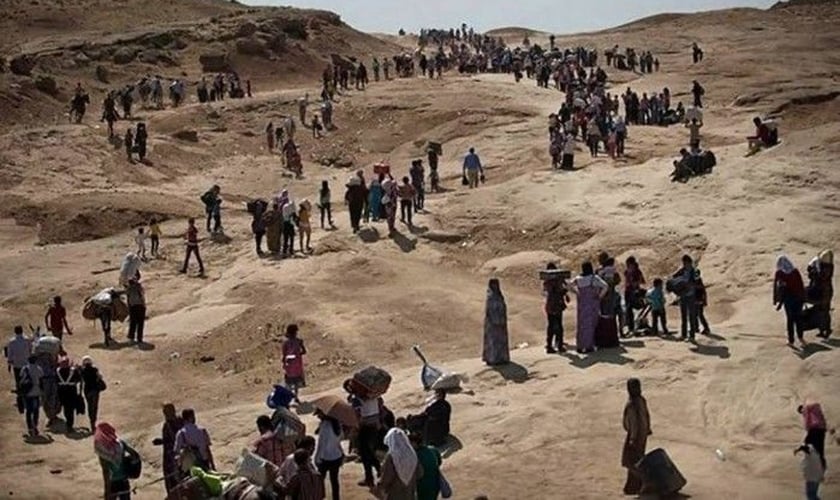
[
  {"x": 304, "y": 224},
  {"x": 154, "y": 236}
]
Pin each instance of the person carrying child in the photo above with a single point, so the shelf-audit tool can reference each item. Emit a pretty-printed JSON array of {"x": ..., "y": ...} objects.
[
  {"x": 293, "y": 352},
  {"x": 656, "y": 299}
]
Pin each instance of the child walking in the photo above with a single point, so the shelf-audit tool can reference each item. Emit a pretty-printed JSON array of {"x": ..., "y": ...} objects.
[
  {"x": 293, "y": 352},
  {"x": 140, "y": 239},
  {"x": 154, "y": 236},
  {"x": 305, "y": 225},
  {"x": 656, "y": 298}
]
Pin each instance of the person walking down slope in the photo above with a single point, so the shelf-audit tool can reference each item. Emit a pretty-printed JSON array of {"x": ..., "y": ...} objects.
[
  {"x": 637, "y": 425},
  {"x": 355, "y": 197},
  {"x": 815, "y": 426},
  {"x": 496, "y": 344},
  {"x": 56, "y": 319},
  {"x": 813, "y": 472},
  {"x": 31, "y": 386},
  {"x": 172, "y": 423},
  {"x": 192, "y": 248},
  {"x": 68, "y": 392},
  {"x": 473, "y": 171},
  {"x": 92, "y": 387},
  {"x": 400, "y": 470},
  {"x": 789, "y": 292},
  {"x": 112, "y": 452},
  {"x": 17, "y": 353}
]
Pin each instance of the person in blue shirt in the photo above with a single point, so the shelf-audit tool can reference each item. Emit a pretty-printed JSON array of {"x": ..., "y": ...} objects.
[
  {"x": 656, "y": 298},
  {"x": 473, "y": 170}
]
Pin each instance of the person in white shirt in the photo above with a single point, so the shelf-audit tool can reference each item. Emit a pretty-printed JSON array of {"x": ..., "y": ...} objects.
[
  {"x": 329, "y": 456},
  {"x": 17, "y": 352},
  {"x": 140, "y": 239}
]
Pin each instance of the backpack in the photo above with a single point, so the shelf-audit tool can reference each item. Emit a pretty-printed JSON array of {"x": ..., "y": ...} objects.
[
  {"x": 132, "y": 464},
  {"x": 208, "y": 199},
  {"x": 25, "y": 385}
]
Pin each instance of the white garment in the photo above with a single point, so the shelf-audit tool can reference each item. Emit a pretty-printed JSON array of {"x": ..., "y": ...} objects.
[
  {"x": 369, "y": 408},
  {"x": 402, "y": 454},
  {"x": 784, "y": 264},
  {"x": 18, "y": 351},
  {"x": 328, "y": 448}
]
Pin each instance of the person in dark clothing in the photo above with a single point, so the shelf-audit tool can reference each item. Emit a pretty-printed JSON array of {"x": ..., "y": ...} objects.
[
  {"x": 437, "y": 416},
  {"x": 68, "y": 392},
  {"x": 325, "y": 203},
  {"x": 129, "y": 144},
  {"x": 702, "y": 302},
  {"x": 136, "y": 310},
  {"x": 257, "y": 210},
  {"x": 824, "y": 268},
  {"x": 355, "y": 197},
  {"x": 556, "y": 298},
  {"x": 696, "y": 53},
  {"x": 140, "y": 139},
  {"x": 789, "y": 292},
  {"x": 815, "y": 426},
  {"x": 418, "y": 175},
  {"x": 434, "y": 178},
  {"x": 109, "y": 113},
  {"x": 172, "y": 423},
  {"x": 92, "y": 386},
  {"x": 687, "y": 276},
  {"x": 210, "y": 199},
  {"x": 698, "y": 91}
]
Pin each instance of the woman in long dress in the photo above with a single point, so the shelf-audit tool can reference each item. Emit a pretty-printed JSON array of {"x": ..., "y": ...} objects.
[
  {"x": 496, "y": 350},
  {"x": 606, "y": 335},
  {"x": 590, "y": 289},
  {"x": 637, "y": 425}
]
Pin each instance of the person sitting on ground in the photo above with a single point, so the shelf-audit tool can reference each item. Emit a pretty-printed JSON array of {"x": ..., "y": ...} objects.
[{"x": 766, "y": 135}]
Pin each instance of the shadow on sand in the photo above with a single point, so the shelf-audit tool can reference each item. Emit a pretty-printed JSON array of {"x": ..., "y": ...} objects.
[
  {"x": 512, "y": 372},
  {"x": 613, "y": 356}
]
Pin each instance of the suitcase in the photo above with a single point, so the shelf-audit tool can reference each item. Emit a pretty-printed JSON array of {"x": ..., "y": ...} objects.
[
  {"x": 381, "y": 168},
  {"x": 659, "y": 473}
]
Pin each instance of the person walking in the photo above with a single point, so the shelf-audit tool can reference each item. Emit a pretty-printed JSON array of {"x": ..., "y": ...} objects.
[
  {"x": 496, "y": 344},
  {"x": 375, "y": 198},
  {"x": 268, "y": 445},
  {"x": 31, "y": 386},
  {"x": 210, "y": 199},
  {"x": 154, "y": 236},
  {"x": 17, "y": 352},
  {"x": 329, "y": 456},
  {"x": 633, "y": 292},
  {"x": 698, "y": 92},
  {"x": 289, "y": 213},
  {"x": 324, "y": 204},
  {"x": 418, "y": 174},
  {"x": 196, "y": 439},
  {"x": 92, "y": 387},
  {"x": 304, "y": 222},
  {"x": 136, "y": 297},
  {"x": 589, "y": 289},
  {"x": 68, "y": 392},
  {"x": 637, "y": 426},
  {"x": 112, "y": 452},
  {"x": 172, "y": 423},
  {"x": 269, "y": 137},
  {"x": 389, "y": 202},
  {"x": 428, "y": 485},
  {"x": 355, "y": 197},
  {"x": 140, "y": 139},
  {"x": 789, "y": 292},
  {"x": 192, "y": 248},
  {"x": 407, "y": 194},
  {"x": 56, "y": 319},
  {"x": 686, "y": 279},
  {"x": 400, "y": 470},
  {"x": 556, "y": 298},
  {"x": 473, "y": 171},
  {"x": 293, "y": 351},
  {"x": 815, "y": 427},
  {"x": 656, "y": 299}
]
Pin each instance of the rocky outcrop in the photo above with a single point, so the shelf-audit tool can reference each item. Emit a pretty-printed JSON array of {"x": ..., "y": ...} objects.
[
  {"x": 22, "y": 65},
  {"x": 186, "y": 135},
  {"x": 47, "y": 85},
  {"x": 214, "y": 60},
  {"x": 125, "y": 55},
  {"x": 102, "y": 73},
  {"x": 252, "y": 46}
]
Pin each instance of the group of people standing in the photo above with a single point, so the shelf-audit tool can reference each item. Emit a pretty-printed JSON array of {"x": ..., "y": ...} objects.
[{"x": 790, "y": 293}]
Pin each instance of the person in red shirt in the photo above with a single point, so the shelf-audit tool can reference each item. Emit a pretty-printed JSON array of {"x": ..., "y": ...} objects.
[
  {"x": 789, "y": 292},
  {"x": 56, "y": 319},
  {"x": 192, "y": 248}
]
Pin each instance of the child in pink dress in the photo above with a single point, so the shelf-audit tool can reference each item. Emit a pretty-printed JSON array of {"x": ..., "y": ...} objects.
[{"x": 293, "y": 351}]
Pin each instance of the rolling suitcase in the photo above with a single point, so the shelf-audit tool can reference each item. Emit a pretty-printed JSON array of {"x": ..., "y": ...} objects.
[{"x": 659, "y": 473}]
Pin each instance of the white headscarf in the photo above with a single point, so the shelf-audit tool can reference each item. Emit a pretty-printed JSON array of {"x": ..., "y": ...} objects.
[
  {"x": 402, "y": 454},
  {"x": 784, "y": 264}
]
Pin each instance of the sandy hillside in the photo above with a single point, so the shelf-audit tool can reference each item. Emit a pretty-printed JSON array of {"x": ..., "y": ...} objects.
[{"x": 545, "y": 427}]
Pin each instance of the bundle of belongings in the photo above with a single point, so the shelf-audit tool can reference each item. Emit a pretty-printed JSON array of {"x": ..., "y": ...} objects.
[
  {"x": 692, "y": 164},
  {"x": 130, "y": 268},
  {"x": 660, "y": 477},
  {"x": 107, "y": 300},
  {"x": 369, "y": 383},
  {"x": 437, "y": 379}
]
